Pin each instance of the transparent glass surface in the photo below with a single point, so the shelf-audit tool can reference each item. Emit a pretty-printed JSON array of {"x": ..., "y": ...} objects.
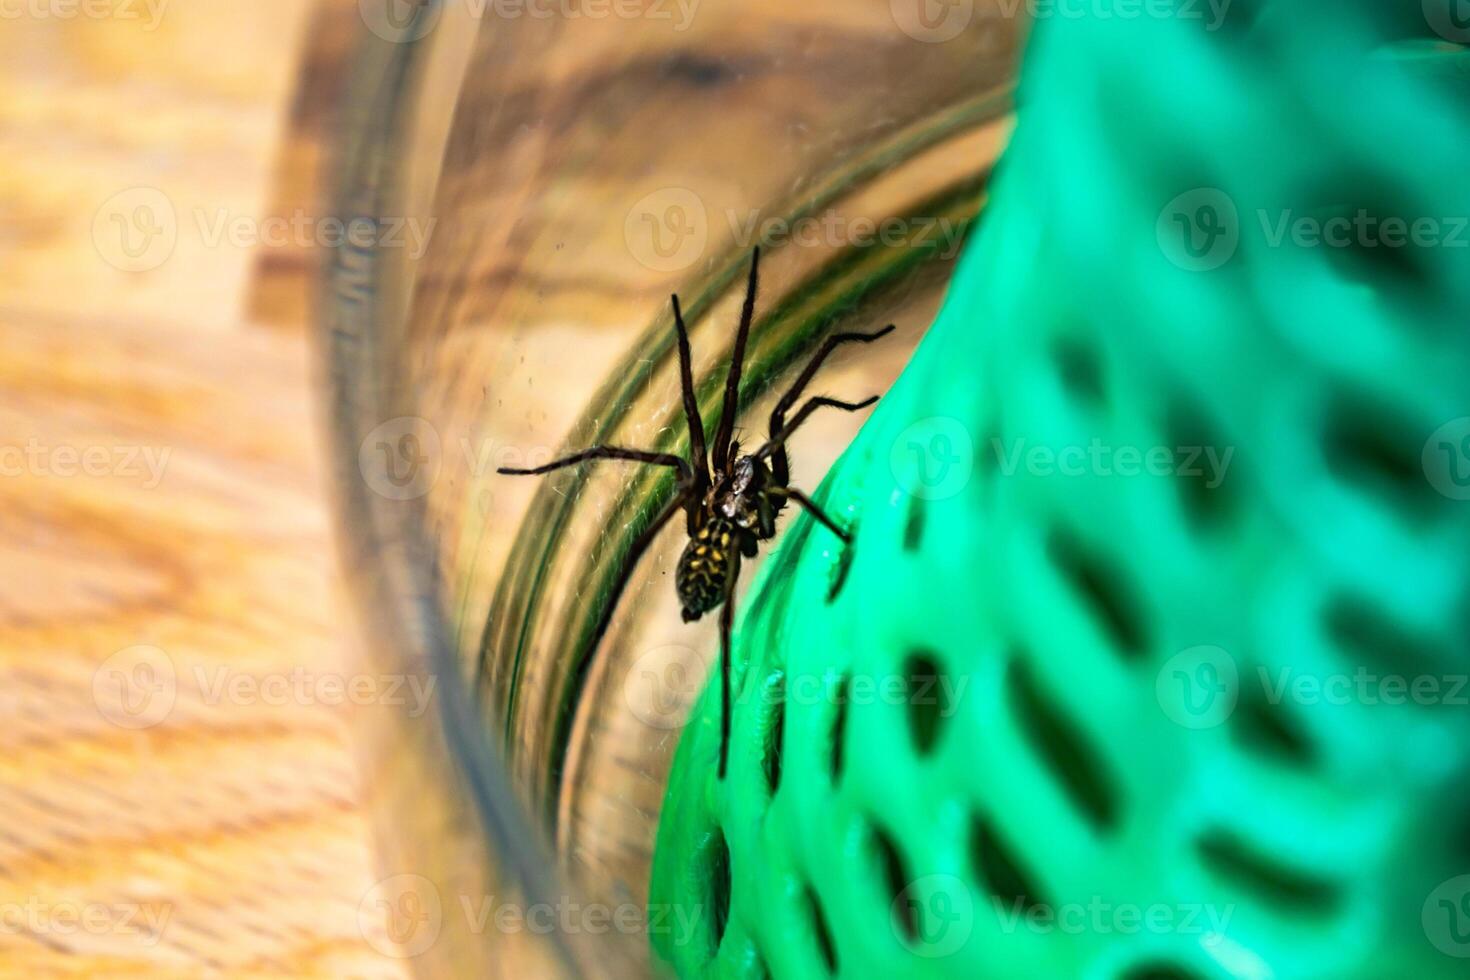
[{"x": 576, "y": 169}]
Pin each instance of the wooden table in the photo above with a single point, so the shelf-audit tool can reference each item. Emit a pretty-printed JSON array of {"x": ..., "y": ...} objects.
[{"x": 179, "y": 793}]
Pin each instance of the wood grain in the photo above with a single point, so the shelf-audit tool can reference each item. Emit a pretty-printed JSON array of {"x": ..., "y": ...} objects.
[{"x": 229, "y": 838}]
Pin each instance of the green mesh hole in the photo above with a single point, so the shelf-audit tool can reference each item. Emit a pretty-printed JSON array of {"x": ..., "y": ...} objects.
[
  {"x": 826, "y": 947},
  {"x": 927, "y": 696},
  {"x": 999, "y": 870}
]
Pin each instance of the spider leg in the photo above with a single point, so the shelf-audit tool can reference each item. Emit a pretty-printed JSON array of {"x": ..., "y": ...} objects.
[
  {"x": 723, "y": 434},
  {"x": 697, "y": 453},
  {"x": 780, "y": 464},
  {"x": 815, "y": 509},
  {"x": 607, "y": 452},
  {"x": 727, "y": 622},
  {"x": 777, "y": 442}
]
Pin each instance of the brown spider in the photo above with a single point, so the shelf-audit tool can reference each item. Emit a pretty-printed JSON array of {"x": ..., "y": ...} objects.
[{"x": 730, "y": 501}]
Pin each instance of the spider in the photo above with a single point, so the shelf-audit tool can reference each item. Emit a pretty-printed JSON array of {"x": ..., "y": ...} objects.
[{"x": 730, "y": 501}]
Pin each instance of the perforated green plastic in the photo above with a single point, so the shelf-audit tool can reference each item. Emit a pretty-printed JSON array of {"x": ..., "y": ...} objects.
[{"x": 1052, "y": 714}]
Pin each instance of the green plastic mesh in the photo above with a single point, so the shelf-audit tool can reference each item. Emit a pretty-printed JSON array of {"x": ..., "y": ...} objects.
[{"x": 1147, "y": 660}]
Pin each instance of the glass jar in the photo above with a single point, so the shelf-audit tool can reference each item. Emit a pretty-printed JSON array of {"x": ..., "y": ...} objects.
[{"x": 541, "y": 175}]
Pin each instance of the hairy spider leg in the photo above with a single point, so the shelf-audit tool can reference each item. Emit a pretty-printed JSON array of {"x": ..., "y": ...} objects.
[
  {"x": 698, "y": 455},
  {"x": 778, "y": 439},
  {"x": 727, "y": 622},
  {"x": 726, "y": 431},
  {"x": 780, "y": 464},
  {"x": 607, "y": 452},
  {"x": 815, "y": 509}
]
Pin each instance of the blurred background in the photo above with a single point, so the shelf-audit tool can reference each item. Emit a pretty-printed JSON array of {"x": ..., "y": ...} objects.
[{"x": 165, "y": 511}]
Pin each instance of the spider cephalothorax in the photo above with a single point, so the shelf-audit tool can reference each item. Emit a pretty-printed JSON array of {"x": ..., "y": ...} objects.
[{"x": 730, "y": 502}]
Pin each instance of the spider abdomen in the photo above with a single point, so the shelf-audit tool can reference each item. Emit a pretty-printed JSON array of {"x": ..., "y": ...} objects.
[{"x": 705, "y": 567}]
